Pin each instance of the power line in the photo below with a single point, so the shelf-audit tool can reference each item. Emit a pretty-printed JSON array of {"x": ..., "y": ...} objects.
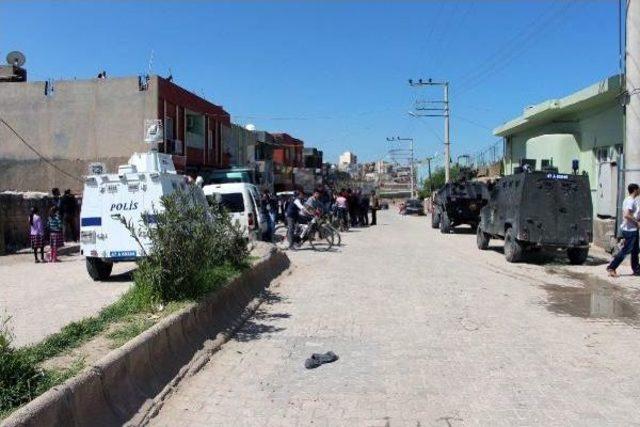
[{"x": 44, "y": 159}]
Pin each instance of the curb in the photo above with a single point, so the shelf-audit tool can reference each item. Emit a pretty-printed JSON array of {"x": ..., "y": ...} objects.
[{"x": 129, "y": 384}]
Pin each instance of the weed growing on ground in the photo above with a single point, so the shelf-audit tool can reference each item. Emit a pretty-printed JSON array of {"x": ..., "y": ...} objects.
[{"x": 130, "y": 329}]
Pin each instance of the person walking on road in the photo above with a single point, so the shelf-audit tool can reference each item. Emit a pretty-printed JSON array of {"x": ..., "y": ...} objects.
[
  {"x": 36, "y": 234},
  {"x": 375, "y": 206},
  {"x": 56, "y": 239},
  {"x": 629, "y": 230}
]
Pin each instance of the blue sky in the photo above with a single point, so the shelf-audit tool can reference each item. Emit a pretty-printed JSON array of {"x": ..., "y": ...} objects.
[{"x": 333, "y": 73}]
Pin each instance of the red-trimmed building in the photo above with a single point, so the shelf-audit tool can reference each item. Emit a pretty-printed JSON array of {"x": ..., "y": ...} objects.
[
  {"x": 287, "y": 155},
  {"x": 193, "y": 128}
]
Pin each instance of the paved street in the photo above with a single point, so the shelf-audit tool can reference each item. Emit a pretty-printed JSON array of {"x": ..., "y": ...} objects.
[
  {"x": 42, "y": 298},
  {"x": 430, "y": 331}
]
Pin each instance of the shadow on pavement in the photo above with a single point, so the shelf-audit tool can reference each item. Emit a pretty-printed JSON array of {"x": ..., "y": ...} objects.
[
  {"x": 261, "y": 322},
  {"x": 550, "y": 257},
  {"x": 127, "y": 276}
]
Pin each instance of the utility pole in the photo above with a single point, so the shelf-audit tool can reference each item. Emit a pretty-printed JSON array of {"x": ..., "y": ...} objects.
[
  {"x": 410, "y": 155},
  {"x": 428, "y": 160},
  {"x": 443, "y": 111},
  {"x": 632, "y": 87}
]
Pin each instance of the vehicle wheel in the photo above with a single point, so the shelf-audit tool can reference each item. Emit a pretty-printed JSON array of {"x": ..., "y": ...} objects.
[
  {"x": 577, "y": 256},
  {"x": 98, "y": 270},
  {"x": 445, "y": 223},
  {"x": 482, "y": 239},
  {"x": 435, "y": 219},
  {"x": 513, "y": 249},
  {"x": 280, "y": 237},
  {"x": 323, "y": 239}
]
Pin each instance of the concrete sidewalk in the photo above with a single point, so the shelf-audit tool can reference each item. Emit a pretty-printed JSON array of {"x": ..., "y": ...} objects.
[{"x": 42, "y": 298}]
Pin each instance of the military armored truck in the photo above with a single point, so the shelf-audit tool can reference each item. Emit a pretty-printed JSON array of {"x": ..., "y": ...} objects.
[
  {"x": 531, "y": 210},
  {"x": 458, "y": 203}
]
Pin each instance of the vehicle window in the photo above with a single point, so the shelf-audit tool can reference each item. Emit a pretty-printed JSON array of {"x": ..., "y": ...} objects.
[{"x": 233, "y": 202}]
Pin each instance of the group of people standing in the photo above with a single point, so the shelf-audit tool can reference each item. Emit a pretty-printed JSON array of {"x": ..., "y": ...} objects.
[
  {"x": 60, "y": 217},
  {"x": 350, "y": 207},
  {"x": 354, "y": 207}
]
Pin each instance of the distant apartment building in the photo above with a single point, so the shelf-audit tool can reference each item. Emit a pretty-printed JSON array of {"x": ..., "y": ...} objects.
[
  {"x": 346, "y": 161},
  {"x": 73, "y": 123}
]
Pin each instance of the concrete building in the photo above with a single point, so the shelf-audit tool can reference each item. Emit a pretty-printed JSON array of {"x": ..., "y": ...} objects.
[
  {"x": 74, "y": 123},
  {"x": 238, "y": 146},
  {"x": 586, "y": 126},
  {"x": 346, "y": 161},
  {"x": 287, "y": 155}
]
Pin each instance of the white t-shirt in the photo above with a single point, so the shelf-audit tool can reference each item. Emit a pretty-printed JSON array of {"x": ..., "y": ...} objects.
[{"x": 629, "y": 204}]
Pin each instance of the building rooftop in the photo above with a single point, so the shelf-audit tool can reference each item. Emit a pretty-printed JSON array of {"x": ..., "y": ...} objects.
[{"x": 595, "y": 95}]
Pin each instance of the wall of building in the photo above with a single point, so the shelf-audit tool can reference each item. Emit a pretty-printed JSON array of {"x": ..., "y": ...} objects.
[
  {"x": 592, "y": 129},
  {"x": 78, "y": 123},
  {"x": 237, "y": 146}
]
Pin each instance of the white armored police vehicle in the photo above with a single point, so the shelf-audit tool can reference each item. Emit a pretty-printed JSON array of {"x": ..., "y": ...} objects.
[{"x": 134, "y": 193}]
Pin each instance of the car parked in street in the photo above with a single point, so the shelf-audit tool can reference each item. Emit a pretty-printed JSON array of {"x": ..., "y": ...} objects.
[{"x": 413, "y": 207}]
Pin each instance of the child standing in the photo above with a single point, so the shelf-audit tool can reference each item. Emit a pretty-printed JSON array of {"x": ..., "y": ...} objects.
[
  {"x": 36, "y": 234},
  {"x": 56, "y": 240}
]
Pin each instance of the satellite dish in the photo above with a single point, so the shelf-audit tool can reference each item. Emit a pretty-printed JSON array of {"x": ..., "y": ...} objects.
[
  {"x": 16, "y": 58},
  {"x": 250, "y": 127}
]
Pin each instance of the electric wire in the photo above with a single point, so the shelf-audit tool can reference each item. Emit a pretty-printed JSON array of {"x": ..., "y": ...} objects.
[{"x": 43, "y": 158}]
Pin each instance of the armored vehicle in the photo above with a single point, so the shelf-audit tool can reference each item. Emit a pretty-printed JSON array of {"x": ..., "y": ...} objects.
[
  {"x": 132, "y": 194},
  {"x": 458, "y": 203},
  {"x": 539, "y": 209}
]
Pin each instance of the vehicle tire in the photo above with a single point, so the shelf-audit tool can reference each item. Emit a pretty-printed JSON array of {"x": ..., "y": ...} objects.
[
  {"x": 435, "y": 219},
  {"x": 577, "y": 256},
  {"x": 513, "y": 249},
  {"x": 445, "y": 223},
  {"x": 482, "y": 239},
  {"x": 323, "y": 239},
  {"x": 98, "y": 270}
]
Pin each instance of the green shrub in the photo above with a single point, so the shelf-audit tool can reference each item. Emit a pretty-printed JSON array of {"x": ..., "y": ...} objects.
[{"x": 192, "y": 246}]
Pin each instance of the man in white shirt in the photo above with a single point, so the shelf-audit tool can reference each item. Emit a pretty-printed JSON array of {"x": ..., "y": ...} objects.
[{"x": 629, "y": 230}]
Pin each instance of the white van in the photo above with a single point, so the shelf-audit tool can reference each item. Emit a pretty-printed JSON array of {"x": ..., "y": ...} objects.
[{"x": 242, "y": 200}]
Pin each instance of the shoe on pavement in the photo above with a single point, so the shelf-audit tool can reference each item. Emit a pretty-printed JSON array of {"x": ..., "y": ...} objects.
[
  {"x": 318, "y": 359},
  {"x": 612, "y": 272}
]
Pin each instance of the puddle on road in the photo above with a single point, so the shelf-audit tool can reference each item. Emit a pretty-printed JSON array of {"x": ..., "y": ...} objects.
[{"x": 595, "y": 298}]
